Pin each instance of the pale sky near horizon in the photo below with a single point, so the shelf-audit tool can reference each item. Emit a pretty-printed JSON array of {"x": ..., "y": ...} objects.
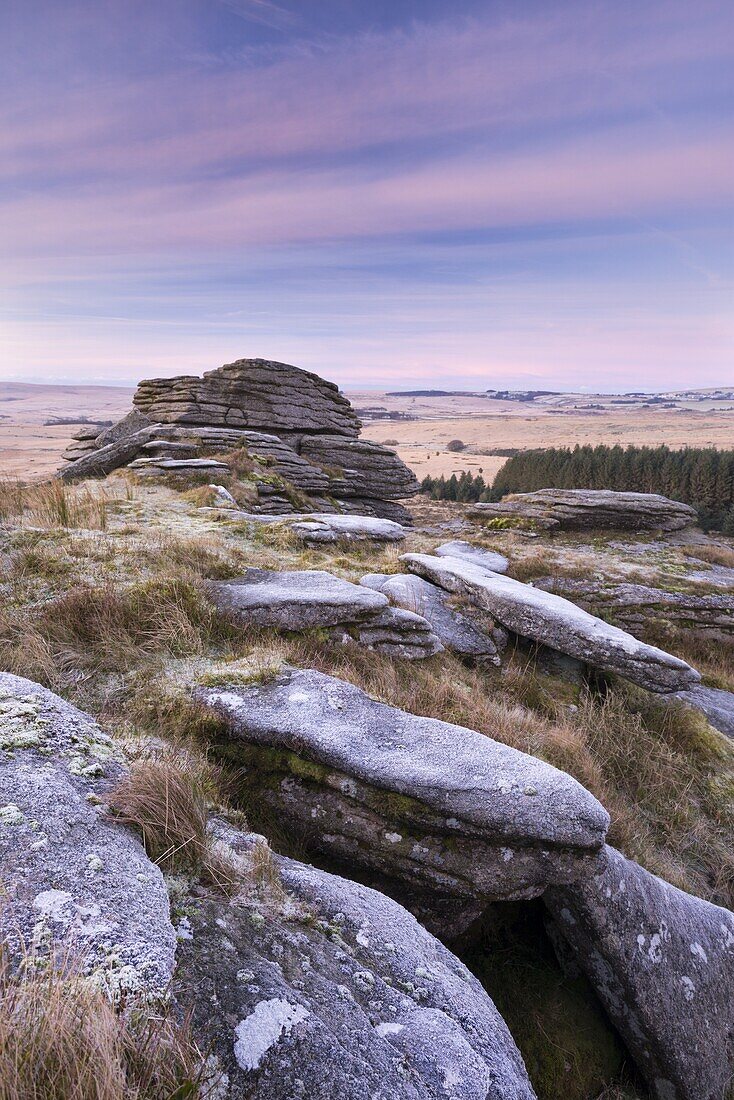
[{"x": 394, "y": 193}]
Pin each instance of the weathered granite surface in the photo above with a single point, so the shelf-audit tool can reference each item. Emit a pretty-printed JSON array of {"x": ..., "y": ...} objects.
[
  {"x": 297, "y": 600},
  {"x": 72, "y": 878},
  {"x": 588, "y": 509},
  {"x": 249, "y": 393},
  {"x": 314, "y": 986},
  {"x": 398, "y": 633},
  {"x": 662, "y": 963},
  {"x": 312, "y": 599},
  {"x": 359, "y": 468},
  {"x": 557, "y": 623},
  {"x": 455, "y": 631},
  {"x": 477, "y": 555},
  {"x": 294, "y": 424},
  {"x": 424, "y": 801},
  {"x": 635, "y": 606},
  {"x": 716, "y": 705}
]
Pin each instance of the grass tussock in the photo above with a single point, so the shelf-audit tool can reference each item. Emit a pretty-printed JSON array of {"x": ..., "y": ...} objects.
[
  {"x": 108, "y": 629},
  {"x": 61, "y": 1039},
  {"x": 713, "y": 554},
  {"x": 54, "y": 504},
  {"x": 166, "y": 800}
]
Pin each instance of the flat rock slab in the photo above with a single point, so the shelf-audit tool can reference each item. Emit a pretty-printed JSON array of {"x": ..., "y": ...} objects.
[
  {"x": 589, "y": 509},
  {"x": 635, "y": 606},
  {"x": 662, "y": 963},
  {"x": 558, "y": 623},
  {"x": 477, "y": 555},
  {"x": 299, "y": 600},
  {"x": 176, "y": 465},
  {"x": 455, "y": 631},
  {"x": 323, "y": 988},
  {"x": 423, "y": 800},
  {"x": 716, "y": 705},
  {"x": 323, "y": 527},
  {"x": 70, "y": 876},
  {"x": 326, "y": 528}
]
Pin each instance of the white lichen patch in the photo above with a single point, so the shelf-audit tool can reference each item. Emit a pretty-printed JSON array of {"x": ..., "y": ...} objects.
[
  {"x": 258, "y": 1032},
  {"x": 21, "y": 726},
  {"x": 11, "y": 815},
  {"x": 389, "y": 1028},
  {"x": 94, "y": 863}
]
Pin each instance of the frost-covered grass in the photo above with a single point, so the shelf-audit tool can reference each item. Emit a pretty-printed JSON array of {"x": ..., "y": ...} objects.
[{"x": 119, "y": 621}]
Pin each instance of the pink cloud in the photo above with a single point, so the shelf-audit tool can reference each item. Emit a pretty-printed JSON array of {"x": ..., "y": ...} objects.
[{"x": 587, "y": 179}]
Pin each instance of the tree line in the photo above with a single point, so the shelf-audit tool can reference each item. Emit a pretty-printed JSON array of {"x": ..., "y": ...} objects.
[{"x": 700, "y": 476}]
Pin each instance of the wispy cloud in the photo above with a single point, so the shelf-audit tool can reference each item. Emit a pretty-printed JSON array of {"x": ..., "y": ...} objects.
[
  {"x": 262, "y": 11},
  {"x": 293, "y": 155}
]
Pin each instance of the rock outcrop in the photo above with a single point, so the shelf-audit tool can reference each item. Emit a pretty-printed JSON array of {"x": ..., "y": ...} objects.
[
  {"x": 590, "y": 509},
  {"x": 662, "y": 963},
  {"x": 312, "y": 599},
  {"x": 318, "y": 987},
  {"x": 637, "y": 606},
  {"x": 300, "y": 430},
  {"x": 249, "y": 393},
  {"x": 320, "y": 528},
  {"x": 716, "y": 705},
  {"x": 72, "y": 879},
  {"x": 477, "y": 555},
  {"x": 555, "y": 622},
  {"x": 425, "y": 802},
  {"x": 457, "y": 632}
]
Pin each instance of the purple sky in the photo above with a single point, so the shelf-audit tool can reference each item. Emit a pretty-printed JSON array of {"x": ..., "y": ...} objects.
[{"x": 390, "y": 192}]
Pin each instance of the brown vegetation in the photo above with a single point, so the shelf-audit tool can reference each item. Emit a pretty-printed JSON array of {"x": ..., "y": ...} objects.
[{"x": 62, "y": 1039}]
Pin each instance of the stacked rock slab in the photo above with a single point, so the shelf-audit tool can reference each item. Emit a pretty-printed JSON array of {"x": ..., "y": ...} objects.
[
  {"x": 455, "y": 631},
  {"x": 590, "y": 509},
  {"x": 662, "y": 963},
  {"x": 555, "y": 622},
  {"x": 300, "y": 424},
  {"x": 71, "y": 879},
  {"x": 318, "y": 528},
  {"x": 312, "y": 599},
  {"x": 424, "y": 802},
  {"x": 321, "y": 988},
  {"x": 636, "y": 606}
]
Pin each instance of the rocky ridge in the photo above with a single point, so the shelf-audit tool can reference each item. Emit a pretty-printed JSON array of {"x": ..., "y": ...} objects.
[
  {"x": 300, "y": 430},
  {"x": 590, "y": 509}
]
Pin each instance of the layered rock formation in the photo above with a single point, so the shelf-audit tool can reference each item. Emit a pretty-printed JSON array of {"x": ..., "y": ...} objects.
[
  {"x": 555, "y": 622},
  {"x": 425, "y": 802},
  {"x": 590, "y": 509},
  {"x": 640, "y": 606},
  {"x": 295, "y": 425},
  {"x": 311, "y": 599}
]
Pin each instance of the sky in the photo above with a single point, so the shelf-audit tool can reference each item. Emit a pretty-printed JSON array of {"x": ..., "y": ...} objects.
[{"x": 393, "y": 193}]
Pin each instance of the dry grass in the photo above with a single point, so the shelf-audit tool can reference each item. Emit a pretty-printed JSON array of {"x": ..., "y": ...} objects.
[
  {"x": 61, "y": 1039},
  {"x": 96, "y": 630},
  {"x": 713, "y": 553},
  {"x": 54, "y": 504},
  {"x": 166, "y": 800}
]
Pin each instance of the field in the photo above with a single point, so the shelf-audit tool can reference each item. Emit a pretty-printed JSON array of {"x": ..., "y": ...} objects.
[{"x": 30, "y": 448}]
